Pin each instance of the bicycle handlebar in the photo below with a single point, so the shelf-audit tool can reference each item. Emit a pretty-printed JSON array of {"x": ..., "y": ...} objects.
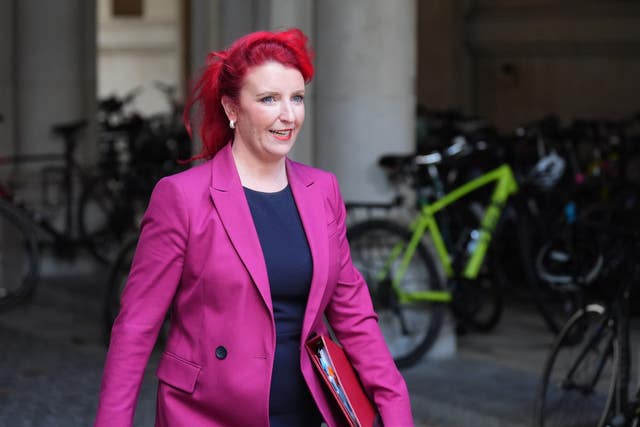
[
  {"x": 113, "y": 104},
  {"x": 407, "y": 163}
]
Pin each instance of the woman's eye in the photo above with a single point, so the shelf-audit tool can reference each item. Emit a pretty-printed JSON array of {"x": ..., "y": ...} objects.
[
  {"x": 268, "y": 99},
  {"x": 298, "y": 98}
]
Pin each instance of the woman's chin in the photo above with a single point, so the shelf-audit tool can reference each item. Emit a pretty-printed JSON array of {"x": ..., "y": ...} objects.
[{"x": 281, "y": 148}]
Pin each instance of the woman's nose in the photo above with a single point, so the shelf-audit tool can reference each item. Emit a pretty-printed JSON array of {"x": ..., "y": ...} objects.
[{"x": 286, "y": 112}]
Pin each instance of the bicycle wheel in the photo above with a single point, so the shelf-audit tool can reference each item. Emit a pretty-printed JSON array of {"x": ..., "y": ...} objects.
[
  {"x": 19, "y": 256},
  {"x": 478, "y": 303},
  {"x": 409, "y": 328},
  {"x": 106, "y": 216},
  {"x": 579, "y": 377}
]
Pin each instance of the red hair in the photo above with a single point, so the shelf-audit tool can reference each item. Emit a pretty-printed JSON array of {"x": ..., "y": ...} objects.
[{"x": 223, "y": 75}]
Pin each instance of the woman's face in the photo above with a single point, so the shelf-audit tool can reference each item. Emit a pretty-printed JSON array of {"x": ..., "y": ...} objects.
[{"x": 270, "y": 110}]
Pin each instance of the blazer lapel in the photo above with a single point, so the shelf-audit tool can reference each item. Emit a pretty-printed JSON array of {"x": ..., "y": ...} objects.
[
  {"x": 232, "y": 206},
  {"x": 310, "y": 202}
]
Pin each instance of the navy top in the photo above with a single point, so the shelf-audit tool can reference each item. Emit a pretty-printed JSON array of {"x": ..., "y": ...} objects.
[{"x": 289, "y": 267}]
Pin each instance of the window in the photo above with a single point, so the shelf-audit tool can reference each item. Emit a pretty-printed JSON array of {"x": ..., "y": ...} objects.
[{"x": 131, "y": 8}]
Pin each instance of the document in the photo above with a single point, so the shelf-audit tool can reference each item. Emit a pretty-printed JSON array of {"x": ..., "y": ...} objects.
[
  {"x": 337, "y": 373},
  {"x": 330, "y": 372}
]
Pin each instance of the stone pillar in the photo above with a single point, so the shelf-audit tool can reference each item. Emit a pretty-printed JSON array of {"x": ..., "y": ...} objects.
[
  {"x": 365, "y": 90},
  {"x": 55, "y": 69},
  {"x": 237, "y": 17},
  {"x": 299, "y": 13},
  {"x": 205, "y": 31},
  {"x": 7, "y": 90},
  {"x": 53, "y": 61}
]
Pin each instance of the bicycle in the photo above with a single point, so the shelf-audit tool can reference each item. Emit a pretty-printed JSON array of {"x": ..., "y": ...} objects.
[
  {"x": 137, "y": 152},
  {"x": 407, "y": 290},
  {"x": 594, "y": 179},
  {"x": 19, "y": 256},
  {"x": 585, "y": 381},
  {"x": 25, "y": 229}
]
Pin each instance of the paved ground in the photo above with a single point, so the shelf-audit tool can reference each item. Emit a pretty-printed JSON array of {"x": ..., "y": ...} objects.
[{"x": 51, "y": 357}]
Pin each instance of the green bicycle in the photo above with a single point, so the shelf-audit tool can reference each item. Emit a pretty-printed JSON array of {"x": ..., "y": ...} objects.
[{"x": 408, "y": 289}]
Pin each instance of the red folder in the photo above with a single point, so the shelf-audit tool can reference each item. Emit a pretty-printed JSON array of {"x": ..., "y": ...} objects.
[{"x": 342, "y": 381}]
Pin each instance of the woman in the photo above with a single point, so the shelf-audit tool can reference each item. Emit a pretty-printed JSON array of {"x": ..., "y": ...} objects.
[{"x": 248, "y": 251}]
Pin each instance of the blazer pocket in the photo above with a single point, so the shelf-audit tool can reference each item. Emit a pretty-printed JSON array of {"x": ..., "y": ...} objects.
[{"x": 178, "y": 372}]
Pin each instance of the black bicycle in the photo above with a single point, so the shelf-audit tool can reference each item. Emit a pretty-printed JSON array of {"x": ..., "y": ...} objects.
[
  {"x": 585, "y": 382},
  {"x": 25, "y": 228},
  {"x": 135, "y": 152}
]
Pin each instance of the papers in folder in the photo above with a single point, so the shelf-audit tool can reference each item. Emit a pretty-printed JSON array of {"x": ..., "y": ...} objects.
[
  {"x": 340, "y": 378},
  {"x": 330, "y": 373}
]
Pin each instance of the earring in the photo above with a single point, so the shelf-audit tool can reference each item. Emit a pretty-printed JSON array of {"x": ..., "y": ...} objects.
[{"x": 232, "y": 124}]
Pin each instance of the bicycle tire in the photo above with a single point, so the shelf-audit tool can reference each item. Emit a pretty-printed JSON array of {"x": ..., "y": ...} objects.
[
  {"x": 589, "y": 341},
  {"x": 477, "y": 303},
  {"x": 105, "y": 217},
  {"x": 410, "y": 329},
  {"x": 19, "y": 256}
]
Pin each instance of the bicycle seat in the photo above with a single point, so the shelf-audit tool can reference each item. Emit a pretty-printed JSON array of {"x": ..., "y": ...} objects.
[
  {"x": 459, "y": 148},
  {"x": 66, "y": 130},
  {"x": 395, "y": 161}
]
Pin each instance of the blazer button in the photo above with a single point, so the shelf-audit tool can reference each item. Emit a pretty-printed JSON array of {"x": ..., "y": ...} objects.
[{"x": 221, "y": 352}]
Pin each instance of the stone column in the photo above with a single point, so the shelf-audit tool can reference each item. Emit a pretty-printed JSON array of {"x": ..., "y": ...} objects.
[
  {"x": 55, "y": 69},
  {"x": 365, "y": 90},
  {"x": 54, "y": 63},
  {"x": 7, "y": 90},
  {"x": 299, "y": 13},
  {"x": 205, "y": 31}
]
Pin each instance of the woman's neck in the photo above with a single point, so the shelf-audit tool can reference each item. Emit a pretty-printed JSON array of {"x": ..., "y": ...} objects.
[{"x": 258, "y": 174}]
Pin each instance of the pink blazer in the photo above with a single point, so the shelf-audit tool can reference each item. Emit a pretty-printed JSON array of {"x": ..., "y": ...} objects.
[{"x": 199, "y": 257}]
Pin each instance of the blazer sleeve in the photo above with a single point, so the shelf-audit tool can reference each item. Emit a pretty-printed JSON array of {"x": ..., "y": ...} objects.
[
  {"x": 152, "y": 283},
  {"x": 351, "y": 315}
]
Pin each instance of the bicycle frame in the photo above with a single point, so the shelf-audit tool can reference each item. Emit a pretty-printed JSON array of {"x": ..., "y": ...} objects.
[
  {"x": 505, "y": 186},
  {"x": 591, "y": 342},
  {"x": 68, "y": 167}
]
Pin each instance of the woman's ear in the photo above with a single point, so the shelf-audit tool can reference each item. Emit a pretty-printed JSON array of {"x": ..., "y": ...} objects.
[{"x": 229, "y": 108}]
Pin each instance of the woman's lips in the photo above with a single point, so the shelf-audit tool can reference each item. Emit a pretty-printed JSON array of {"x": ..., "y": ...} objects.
[{"x": 283, "y": 134}]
